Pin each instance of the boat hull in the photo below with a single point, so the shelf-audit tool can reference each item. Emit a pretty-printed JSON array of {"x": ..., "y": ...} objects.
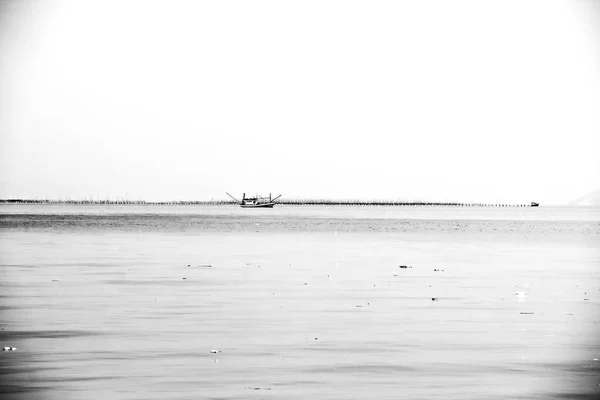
[{"x": 262, "y": 205}]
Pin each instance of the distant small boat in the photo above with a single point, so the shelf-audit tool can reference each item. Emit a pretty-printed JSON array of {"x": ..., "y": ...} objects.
[
  {"x": 534, "y": 204},
  {"x": 256, "y": 201}
]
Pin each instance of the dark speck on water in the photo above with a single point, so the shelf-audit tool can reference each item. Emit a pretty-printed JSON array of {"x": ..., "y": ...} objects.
[{"x": 101, "y": 333}]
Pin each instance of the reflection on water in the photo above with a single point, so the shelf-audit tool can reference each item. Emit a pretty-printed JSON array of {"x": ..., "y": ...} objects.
[{"x": 298, "y": 311}]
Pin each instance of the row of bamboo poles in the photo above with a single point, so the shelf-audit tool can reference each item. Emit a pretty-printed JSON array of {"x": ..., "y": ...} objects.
[
  {"x": 294, "y": 202},
  {"x": 318, "y": 202}
]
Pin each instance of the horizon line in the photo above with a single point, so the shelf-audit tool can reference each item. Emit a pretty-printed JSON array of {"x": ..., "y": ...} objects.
[{"x": 290, "y": 201}]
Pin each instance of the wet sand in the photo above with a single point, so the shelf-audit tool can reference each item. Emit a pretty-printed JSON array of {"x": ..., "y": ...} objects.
[{"x": 298, "y": 306}]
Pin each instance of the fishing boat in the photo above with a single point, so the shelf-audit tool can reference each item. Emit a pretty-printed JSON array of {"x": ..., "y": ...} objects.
[
  {"x": 534, "y": 204},
  {"x": 256, "y": 201}
]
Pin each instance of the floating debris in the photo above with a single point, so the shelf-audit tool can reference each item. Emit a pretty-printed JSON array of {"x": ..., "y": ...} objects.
[
  {"x": 202, "y": 266},
  {"x": 183, "y": 278},
  {"x": 528, "y": 313},
  {"x": 215, "y": 351},
  {"x": 258, "y": 388},
  {"x": 435, "y": 298},
  {"x": 404, "y": 266}
]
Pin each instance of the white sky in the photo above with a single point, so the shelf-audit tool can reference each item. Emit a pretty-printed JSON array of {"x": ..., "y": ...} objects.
[{"x": 436, "y": 100}]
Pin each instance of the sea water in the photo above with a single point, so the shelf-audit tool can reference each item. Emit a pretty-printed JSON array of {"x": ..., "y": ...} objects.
[{"x": 219, "y": 302}]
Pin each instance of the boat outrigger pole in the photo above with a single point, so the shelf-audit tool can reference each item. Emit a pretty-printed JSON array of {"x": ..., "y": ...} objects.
[
  {"x": 275, "y": 198},
  {"x": 239, "y": 202}
]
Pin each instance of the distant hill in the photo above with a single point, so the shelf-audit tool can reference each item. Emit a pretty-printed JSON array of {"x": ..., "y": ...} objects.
[{"x": 590, "y": 199}]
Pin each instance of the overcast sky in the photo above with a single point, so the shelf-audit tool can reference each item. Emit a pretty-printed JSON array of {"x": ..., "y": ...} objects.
[{"x": 432, "y": 100}]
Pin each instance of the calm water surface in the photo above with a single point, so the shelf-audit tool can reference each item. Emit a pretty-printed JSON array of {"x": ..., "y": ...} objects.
[
  {"x": 551, "y": 213},
  {"x": 301, "y": 302}
]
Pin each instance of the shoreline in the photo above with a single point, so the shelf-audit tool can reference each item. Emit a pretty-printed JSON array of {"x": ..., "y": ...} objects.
[{"x": 291, "y": 202}]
